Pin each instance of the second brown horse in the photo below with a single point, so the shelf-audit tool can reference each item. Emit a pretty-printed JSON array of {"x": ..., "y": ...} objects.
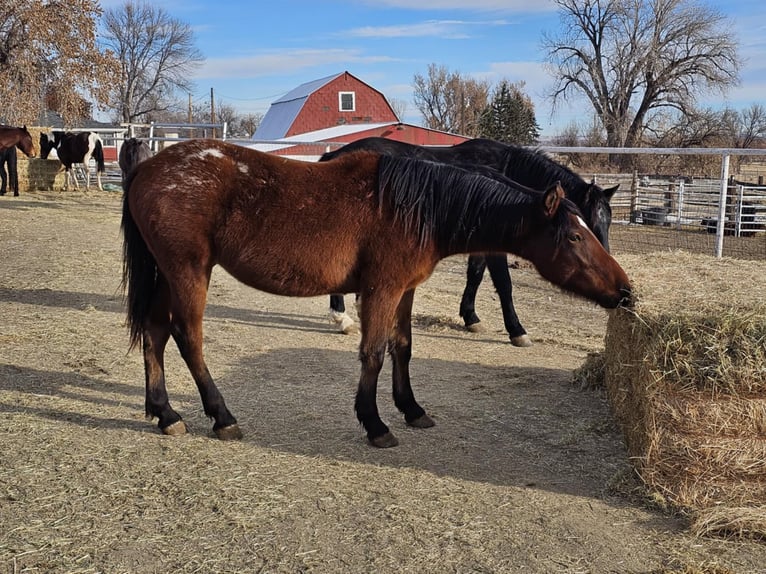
[{"x": 270, "y": 222}]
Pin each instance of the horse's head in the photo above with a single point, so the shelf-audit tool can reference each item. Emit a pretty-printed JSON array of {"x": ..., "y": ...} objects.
[
  {"x": 567, "y": 253},
  {"x": 597, "y": 212},
  {"x": 46, "y": 144},
  {"x": 25, "y": 143}
]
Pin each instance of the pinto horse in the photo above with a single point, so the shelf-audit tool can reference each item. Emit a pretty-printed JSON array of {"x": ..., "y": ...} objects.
[
  {"x": 72, "y": 148},
  {"x": 269, "y": 221},
  {"x": 532, "y": 168},
  {"x": 132, "y": 152}
]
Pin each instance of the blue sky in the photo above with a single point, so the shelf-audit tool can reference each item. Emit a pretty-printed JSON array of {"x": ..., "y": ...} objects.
[{"x": 257, "y": 51}]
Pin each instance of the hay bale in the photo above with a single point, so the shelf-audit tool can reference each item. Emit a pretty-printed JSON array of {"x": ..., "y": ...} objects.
[
  {"x": 685, "y": 373},
  {"x": 37, "y": 174}
]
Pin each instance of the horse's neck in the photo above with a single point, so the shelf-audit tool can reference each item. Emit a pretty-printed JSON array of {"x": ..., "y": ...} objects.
[{"x": 490, "y": 227}]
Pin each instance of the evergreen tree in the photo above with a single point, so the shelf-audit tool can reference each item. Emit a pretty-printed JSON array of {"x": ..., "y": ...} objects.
[{"x": 510, "y": 116}]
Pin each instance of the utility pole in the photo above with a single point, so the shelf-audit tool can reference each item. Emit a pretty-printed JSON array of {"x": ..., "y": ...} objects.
[
  {"x": 190, "y": 116},
  {"x": 212, "y": 110}
]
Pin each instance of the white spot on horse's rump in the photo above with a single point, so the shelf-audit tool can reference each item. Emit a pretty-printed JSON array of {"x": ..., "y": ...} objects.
[
  {"x": 210, "y": 151},
  {"x": 243, "y": 168}
]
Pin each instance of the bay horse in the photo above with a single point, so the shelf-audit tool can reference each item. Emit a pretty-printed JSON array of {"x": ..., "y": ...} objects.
[
  {"x": 10, "y": 139},
  {"x": 530, "y": 167},
  {"x": 269, "y": 221},
  {"x": 132, "y": 152},
  {"x": 72, "y": 148}
]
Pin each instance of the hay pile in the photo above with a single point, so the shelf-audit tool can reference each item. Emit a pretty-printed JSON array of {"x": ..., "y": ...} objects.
[
  {"x": 38, "y": 174},
  {"x": 685, "y": 372}
]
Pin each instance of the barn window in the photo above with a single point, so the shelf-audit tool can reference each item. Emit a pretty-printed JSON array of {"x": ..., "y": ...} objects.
[{"x": 347, "y": 101}]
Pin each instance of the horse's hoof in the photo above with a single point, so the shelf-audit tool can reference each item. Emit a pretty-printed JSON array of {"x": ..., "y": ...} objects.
[
  {"x": 475, "y": 328},
  {"x": 422, "y": 422},
  {"x": 521, "y": 341},
  {"x": 384, "y": 441},
  {"x": 176, "y": 429},
  {"x": 348, "y": 327},
  {"x": 230, "y": 432}
]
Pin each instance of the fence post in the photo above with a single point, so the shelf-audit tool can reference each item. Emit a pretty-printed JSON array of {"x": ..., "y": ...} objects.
[
  {"x": 680, "y": 209},
  {"x": 738, "y": 210},
  {"x": 722, "y": 205},
  {"x": 633, "y": 197}
]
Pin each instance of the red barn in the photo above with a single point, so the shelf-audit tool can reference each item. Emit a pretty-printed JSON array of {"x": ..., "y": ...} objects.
[{"x": 337, "y": 109}]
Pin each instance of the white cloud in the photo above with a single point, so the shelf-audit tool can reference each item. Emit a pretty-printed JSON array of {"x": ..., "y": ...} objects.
[
  {"x": 452, "y": 29},
  {"x": 475, "y": 5},
  {"x": 280, "y": 62}
]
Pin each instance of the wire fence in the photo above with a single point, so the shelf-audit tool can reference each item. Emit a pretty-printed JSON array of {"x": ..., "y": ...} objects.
[
  {"x": 715, "y": 216},
  {"x": 657, "y": 214}
]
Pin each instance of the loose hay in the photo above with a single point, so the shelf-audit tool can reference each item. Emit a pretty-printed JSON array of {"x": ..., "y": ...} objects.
[{"x": 685, "y": 372}]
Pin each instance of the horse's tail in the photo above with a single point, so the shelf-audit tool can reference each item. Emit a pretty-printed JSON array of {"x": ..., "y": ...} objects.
[
  {"x": 139, "y": 274},
  {"x": 98, "y": 155}
]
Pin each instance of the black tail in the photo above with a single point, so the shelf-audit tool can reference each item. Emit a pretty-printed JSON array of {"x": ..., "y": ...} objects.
[
  {"x": 98, "y": 155},
  {"x": 139, "y": 274}
]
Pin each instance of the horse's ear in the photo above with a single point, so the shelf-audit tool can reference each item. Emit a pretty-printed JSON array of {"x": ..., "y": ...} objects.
[
  {"x": 552, "y": 199},
  {"x": 610, "y": 191}
]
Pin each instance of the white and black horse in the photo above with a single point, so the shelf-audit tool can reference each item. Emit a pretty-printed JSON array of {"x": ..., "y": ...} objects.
[{"x": 72, "y": 148}]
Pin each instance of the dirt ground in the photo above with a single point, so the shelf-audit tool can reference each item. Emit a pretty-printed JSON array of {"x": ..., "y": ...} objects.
[{"x": 523, "y": 472}]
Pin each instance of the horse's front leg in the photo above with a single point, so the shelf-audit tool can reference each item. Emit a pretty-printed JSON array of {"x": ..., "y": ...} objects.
[
  {"x": 377, "y": 321},
  {"x": 72, "y": 177},
  {"x": 501, "y": 279},
  {"x": 400, "y": 348},
  {"x": 474, "y": 275}
]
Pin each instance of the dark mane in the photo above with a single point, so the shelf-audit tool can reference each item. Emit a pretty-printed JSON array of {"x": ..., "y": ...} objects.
[
  {"x": 543, "y": 168},
  {"x": 448, "y": 203}
]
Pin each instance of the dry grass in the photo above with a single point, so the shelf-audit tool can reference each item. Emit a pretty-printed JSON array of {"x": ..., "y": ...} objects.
[
  {"x": 685, "y": 372},
  {"x": 513, "y": 478}
]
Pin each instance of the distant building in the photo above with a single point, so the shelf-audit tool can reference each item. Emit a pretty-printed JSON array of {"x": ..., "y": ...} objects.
[{"x": 322, "y": 114}]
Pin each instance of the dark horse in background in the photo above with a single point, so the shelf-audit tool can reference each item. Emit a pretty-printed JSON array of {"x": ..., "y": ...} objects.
[
  {"x": 532, "y": 168},
  {"x": 132, "y": 152},
  {"x": 72, "y": 148},
  {"x": 270, "y": 221},
  {"x": 10, "y": 139}
]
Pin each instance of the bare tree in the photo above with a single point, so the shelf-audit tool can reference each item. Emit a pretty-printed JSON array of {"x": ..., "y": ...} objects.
[
  {"x": 48, "y": 55},
  {"x": 248, "y": 123},
  {"x": 752, "y": 125},
  {"x": 630, "y": 58},
  {"x": 399, "y": 106},
  {"x": 157, "y": 54},
  {"x": 449, "y": 102}
]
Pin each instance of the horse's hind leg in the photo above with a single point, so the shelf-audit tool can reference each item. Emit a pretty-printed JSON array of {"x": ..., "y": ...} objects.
[
  {"x": 377, "y": 321},
  {"x": 501, "y": 279},
  {"x": 188, "y": 306},
  {"x": 474, "y": 275},
  {"x": 400, "y": 348},
  {"x": 156, "y": 333}
]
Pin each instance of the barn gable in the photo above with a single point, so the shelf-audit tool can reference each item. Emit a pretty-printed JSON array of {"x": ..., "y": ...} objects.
[{"x": 340, "y": 99}]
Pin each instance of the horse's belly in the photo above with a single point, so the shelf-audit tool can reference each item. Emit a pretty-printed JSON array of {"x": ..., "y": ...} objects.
[{"x": 293, "y": 278}]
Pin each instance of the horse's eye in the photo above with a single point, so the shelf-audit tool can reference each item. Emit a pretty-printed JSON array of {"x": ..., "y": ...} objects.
[{"x": 575, "y": 237}]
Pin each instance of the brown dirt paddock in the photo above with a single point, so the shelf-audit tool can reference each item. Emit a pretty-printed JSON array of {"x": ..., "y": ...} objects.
[{"x": 524, "y": 472}]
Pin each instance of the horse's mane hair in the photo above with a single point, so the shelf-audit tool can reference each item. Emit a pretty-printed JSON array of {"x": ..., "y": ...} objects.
[
  {"x": 450, "y": 204},
  {"x": 539, "y": 163}
]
